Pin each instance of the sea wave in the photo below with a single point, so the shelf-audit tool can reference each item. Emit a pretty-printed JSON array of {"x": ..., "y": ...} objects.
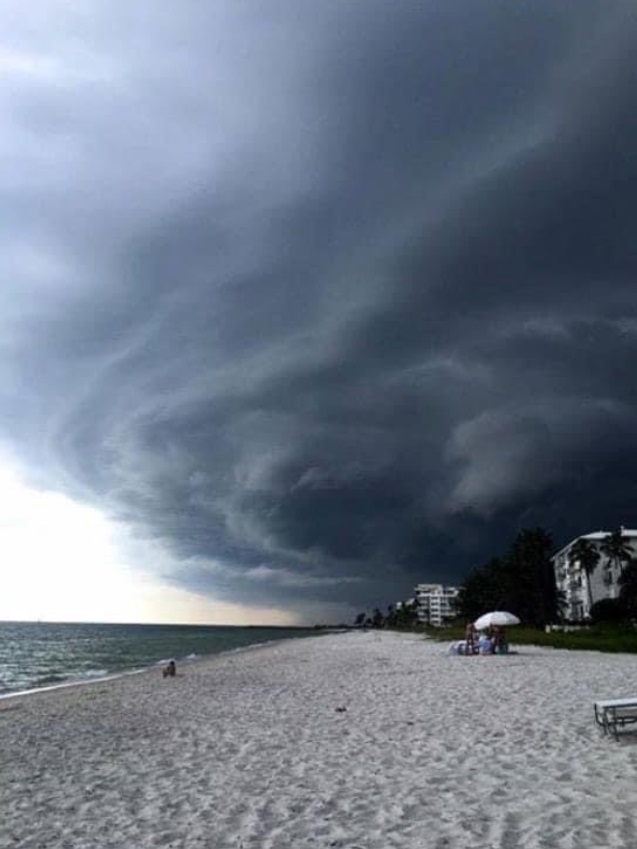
[
  {"x": 95, "y": 673},
  {"x": 50, "y": 678}
]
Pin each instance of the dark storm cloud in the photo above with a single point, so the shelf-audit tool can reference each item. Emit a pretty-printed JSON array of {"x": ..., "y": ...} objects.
[{"x": 327, "y": 298}]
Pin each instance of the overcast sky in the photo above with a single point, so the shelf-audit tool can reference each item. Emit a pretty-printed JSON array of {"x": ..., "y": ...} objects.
[{"x": 309, "y": 301}]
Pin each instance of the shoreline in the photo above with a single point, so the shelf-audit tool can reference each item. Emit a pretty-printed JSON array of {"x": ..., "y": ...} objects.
[
  {"x": 150, "y": 668},
  {"x": 371, "y": 740},
  {"x": 107, "y": 675}
]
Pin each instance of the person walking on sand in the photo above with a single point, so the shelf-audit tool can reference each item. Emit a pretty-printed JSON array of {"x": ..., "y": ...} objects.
[{"x": 170, "y": 670}]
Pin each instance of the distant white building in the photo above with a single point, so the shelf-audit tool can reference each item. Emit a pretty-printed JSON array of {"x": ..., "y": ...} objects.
[
  {"x": 572, "y": 581},
  {"x": 434, "y": 603}
]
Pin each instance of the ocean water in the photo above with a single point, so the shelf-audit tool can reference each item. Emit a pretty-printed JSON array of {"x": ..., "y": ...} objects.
[{"x": 41, "y": 654}]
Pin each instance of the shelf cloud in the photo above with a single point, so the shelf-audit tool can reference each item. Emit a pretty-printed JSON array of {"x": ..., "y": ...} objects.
[{"x": 323, "y": 299}]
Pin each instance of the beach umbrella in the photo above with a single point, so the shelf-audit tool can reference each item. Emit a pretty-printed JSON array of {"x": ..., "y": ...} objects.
[{"x": 496, "y": 617}]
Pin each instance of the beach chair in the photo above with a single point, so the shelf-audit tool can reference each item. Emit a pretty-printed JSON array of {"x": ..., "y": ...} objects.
[{"x": 613, "y": 714}]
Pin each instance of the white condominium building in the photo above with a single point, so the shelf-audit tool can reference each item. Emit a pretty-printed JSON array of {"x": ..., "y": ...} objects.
[
  {"x": 434, "y": 603},
  {"x": 580, "y": 590}
]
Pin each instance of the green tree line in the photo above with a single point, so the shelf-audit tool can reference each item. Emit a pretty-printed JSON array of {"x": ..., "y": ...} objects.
[{"x": 522, "y": 581}]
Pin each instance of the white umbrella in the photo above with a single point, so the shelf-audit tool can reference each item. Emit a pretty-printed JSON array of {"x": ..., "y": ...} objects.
[{"x": 496, "y": 617}]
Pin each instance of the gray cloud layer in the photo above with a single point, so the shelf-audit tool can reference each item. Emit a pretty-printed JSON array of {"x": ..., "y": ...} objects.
[{"x": 325, "y": 297}]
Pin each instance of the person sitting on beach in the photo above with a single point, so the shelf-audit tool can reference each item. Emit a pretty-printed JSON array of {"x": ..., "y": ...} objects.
[
  {"x": 469, "y": 638},
  {"x": 499, "y": 640},
  {"x": 485, "y": 644},
  {"x": 170, "y": 670}
]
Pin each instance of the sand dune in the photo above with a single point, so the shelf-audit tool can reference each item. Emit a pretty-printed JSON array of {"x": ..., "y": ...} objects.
[{"x": 359, "y": 741}]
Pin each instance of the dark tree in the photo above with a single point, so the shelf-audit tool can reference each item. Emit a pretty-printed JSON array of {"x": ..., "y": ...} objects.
[
  {"x": 535, "y": 591},
  {"x": 628, "y": 588},
  {"x": 522, "y": 582},
  {"x": 377, "y": 618},
  {"x": 406, "y": 616},
  {"x": 482, "y": 590},
  {"x": 615, "y": 547},
  {"x": 585, "y": 557},
  {"x": 609, "y": 610}
]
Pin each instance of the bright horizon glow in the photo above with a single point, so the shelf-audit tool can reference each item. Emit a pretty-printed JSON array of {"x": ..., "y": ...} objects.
[{"x": 62, "y": 563}]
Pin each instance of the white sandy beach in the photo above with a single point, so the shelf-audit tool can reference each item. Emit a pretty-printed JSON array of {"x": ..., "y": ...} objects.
[{"x": 360, "y": 741}]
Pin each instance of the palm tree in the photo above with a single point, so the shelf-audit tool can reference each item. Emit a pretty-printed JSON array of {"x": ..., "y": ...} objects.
[
  {"x": 391, "y": 620},
  {"x": 628, "y": 587},
  {"x": 615, "y": 547},
  {"x": 561, "y": 603},
  {"x": 585, "y": 557},
  {"x": 378, "y": 619}
]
